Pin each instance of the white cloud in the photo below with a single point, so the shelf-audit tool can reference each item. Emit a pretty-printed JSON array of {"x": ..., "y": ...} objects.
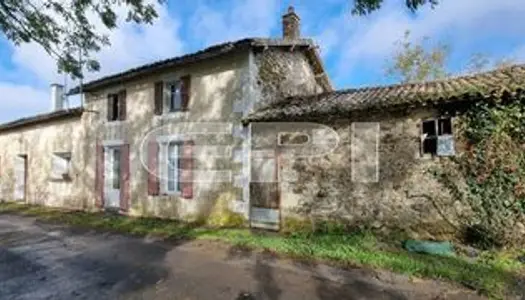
[
  {"x": 131, "y": 46},
  {"x": 244, "y": 19},
  {"x": 369, "y": 40},
  {"x": 21, "y": 100}
]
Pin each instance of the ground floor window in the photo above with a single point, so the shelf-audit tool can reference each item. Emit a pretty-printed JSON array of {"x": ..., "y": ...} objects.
[
  {"x": 437, "y": 138},
  {"x": 169, "y": 164}
]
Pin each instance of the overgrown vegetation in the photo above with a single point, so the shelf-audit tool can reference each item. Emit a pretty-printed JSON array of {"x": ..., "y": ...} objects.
[
  {"x": 494, "y": 274},
  {"x": 487, "y": 178}
]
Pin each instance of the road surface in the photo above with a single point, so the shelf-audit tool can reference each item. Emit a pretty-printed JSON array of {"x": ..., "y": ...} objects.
[{"x": 43, "y": 261}]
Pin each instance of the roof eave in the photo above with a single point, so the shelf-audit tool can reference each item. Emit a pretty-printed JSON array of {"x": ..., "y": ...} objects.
[
  {"x": 42, "y": 118},
  {"x": 208, "y": 53}
]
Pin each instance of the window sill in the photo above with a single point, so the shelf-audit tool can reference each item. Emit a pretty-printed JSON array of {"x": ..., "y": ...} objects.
[
  {"x": 171, "y": 194},
  {"x": 434, "y": 157},
  {"x": 173, "y": 115},
  {"x": 115, "y": 123},
  {"x": 61, "y": 179}
]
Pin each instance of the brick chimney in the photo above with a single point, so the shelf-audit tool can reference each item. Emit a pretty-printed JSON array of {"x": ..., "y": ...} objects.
[{"x": 291, "y": 25}]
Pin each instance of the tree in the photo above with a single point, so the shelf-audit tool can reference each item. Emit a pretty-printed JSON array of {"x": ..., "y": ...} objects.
[
  {"x": 417, "y": 61},
  {"x": 63, "y": 27},
  {"x": 412, "y": 62},
  {"x": 480, "y": 62},
  {"x": 365, "y": 7}
]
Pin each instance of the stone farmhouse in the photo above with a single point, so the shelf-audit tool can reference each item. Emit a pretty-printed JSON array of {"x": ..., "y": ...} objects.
[{"x": 252, "y": 128}]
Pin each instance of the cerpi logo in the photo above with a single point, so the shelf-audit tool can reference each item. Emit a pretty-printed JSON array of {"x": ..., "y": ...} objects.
[{"x": 217, "y": 151}]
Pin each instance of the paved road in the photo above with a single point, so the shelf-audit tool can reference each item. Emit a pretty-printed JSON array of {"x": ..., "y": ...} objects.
[{"x": 41, "y": 261}]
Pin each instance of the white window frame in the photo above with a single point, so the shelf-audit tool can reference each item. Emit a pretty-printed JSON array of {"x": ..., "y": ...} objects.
[
  {"x": 437, "y": 136},
  {"x": 167, "y": 96},
  {"x": 164, "y": 166}
]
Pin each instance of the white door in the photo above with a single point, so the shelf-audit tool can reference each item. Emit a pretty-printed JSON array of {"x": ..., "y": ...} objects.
[
  {"x": 112, "y": 177},
  {"x": 20, "y": 177}
]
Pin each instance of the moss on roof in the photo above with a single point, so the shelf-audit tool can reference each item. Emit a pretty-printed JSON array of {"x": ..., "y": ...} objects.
[{"x": 463, "y": 88}]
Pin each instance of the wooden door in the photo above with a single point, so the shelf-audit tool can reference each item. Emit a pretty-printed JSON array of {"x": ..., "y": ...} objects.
[{"x": 264, "y": 190}]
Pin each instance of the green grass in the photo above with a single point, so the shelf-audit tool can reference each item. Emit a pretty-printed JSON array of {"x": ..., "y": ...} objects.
[{"x": 493, "y": 274}]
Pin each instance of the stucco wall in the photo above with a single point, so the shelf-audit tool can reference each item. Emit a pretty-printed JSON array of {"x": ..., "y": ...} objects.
[
  {"x": 216, "y": 86},
  {"x": 324, "y": 188},
  {"x": 39, "y": 143},
  {"x": 223, "y": 90}
]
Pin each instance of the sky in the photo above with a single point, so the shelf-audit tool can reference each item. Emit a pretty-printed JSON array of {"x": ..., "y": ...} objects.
[{"x": 355, "y": 49}]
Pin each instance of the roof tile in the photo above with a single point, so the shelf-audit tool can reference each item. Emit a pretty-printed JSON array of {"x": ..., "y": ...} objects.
[{"x": 485, "y": 84}]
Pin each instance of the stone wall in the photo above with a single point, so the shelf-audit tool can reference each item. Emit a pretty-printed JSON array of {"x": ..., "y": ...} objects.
[
  {"x": 283, "y": 72},
  {"x": 400, "y": 200}
]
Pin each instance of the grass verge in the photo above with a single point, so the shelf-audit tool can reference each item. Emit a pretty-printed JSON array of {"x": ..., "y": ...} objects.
[{"x": 490, "y": 275}]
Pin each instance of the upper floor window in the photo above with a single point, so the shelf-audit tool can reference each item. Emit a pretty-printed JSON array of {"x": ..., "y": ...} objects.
[
  {"x": 116, "y": 106},
  {"x": 172, "y": 96},
  {"x": 437, "y": 138}
]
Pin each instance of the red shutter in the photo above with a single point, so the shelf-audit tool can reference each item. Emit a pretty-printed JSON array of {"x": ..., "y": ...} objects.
[
  {"x": 186, "y": 91},
  {"x": 125, "y": 177},
  {"x": 153, "y": 165},
  {"x": 122, "y": 105},
  {"x": 99, "y": 176},
  {"x": 159, "y": 97},
  {"x": 186, "y": 174}
]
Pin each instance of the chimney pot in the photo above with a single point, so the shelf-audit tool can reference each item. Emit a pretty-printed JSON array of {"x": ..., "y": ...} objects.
[
  {"x": 57, "y": 97},
  {"x": 291, "y": 25}
]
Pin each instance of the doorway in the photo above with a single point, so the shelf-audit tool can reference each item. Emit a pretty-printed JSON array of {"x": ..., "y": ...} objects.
[
  {"x": 264, "y": 190},
  {"x": 112, "y": 176},
  {"x": 20, "y": 177}
]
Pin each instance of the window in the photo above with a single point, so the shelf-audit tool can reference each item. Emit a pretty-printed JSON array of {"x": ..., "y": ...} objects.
[
  {"x": 117, "y": 106},
  {"x": 115, "y": 182},
  {"x": 171, "y": 167},
  {"x": 292, "y": 138},
  {"x": 61, "y": 166},
  {"x": 437, "y": 138},
  {"x": 175, "y": 96},
  {"x": 172, "y": 96}
]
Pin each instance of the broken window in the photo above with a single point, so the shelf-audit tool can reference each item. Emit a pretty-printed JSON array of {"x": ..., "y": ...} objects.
[{"x": 437, "y": 138}]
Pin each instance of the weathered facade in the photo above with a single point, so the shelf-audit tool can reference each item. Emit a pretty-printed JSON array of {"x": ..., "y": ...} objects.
[
  {"x": 164, "y": 139},
  {"x": 391, "y": 142},
  {"x": 27, "y": 156},
  {"x": 248, "y": 130}
]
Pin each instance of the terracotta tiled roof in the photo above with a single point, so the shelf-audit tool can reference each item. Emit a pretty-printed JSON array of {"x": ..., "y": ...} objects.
[
  {"x": 477, "y": 86},
  {"x": 43, "y": 118},
  {"x": 211, "y": 52}
]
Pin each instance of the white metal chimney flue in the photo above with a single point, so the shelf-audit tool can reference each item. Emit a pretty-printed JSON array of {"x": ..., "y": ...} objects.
[{"x": 57, "y": 97}]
